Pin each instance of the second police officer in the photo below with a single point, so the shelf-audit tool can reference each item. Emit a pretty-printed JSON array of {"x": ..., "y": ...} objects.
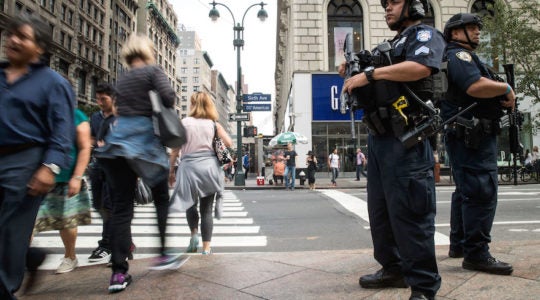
[
  {"x": 401, "y": 185},
  {"x": 471, "y": 144}
]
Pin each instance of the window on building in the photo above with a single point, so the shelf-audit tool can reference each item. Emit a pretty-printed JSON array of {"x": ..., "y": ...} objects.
[
  {"x": 51, "y": 5},
  {"x": 82, "y": 83},
  {"x": 184, "y": 107},
  {"x": 62, "y": 38},
  {"x": 63, "y": 10},
  {"x": 196, "y": 60},
  {"x": 196, "y": 70},
  {"x": 18, "y": 7},
  {"x": 63, "y": 66},
  {"x": 195, "y": 79},
  {"x": 344, "y": 16},
  {"x": 184, "y": 98},
  {"x": 69, "y": 42},
  {"x": 183, "y": 79},
  {"x": 184, "y": 88},
  {"x": 43, "y": 3},
  {"x": 196, "y": 88},
  {"x": 70, "y": 17},
  {"x": 183, "y": 70}
]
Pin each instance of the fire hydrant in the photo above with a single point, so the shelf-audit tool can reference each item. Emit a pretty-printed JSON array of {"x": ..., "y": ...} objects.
[{"x": 302, "y": 176}]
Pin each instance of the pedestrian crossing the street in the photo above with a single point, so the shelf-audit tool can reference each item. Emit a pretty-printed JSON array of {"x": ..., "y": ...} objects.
[{"x": 235, "y": 230}]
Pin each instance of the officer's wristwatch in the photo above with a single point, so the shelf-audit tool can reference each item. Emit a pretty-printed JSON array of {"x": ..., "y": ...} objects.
[
  {"x": 369, "y": 74},
  {"x": 54, "y": 168}
]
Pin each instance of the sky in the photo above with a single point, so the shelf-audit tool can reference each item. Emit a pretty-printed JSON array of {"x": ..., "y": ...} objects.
[{"x": 257, "y": 58}]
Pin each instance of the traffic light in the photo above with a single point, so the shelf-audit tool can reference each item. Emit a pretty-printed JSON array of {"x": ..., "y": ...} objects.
[{"x": 250, "y": 131}]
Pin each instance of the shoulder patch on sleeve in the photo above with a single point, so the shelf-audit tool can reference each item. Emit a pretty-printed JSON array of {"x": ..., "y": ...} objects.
[
  {"x": 424, "y": 35},
  {"x": 464, "y": 56},
  {"x": 422, "y": 50}
]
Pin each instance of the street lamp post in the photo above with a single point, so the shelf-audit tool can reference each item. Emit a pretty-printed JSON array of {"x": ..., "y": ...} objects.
[{"x": 238, "y": 42}]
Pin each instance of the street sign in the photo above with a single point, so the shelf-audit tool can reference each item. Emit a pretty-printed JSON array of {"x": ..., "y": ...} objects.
[
  {"x": 238, "y": 117},
  {"x": 257, "y": 107},
  {"x": 256, "y": 97}
]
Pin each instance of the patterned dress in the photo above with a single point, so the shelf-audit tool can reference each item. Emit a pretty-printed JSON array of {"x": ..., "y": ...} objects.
[{"x": 57, "y": 211}]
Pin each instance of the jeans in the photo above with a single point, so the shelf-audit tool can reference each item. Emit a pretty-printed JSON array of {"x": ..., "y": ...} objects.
[
  {"x": 292, "y": 170},
  {"x": 101, "y": 201},
  {"x": 360, "y": 170},
  {"x": 123, "y": 180},
  {"x": 335, "y": 174},
  {"x": 18, "y": 212}
]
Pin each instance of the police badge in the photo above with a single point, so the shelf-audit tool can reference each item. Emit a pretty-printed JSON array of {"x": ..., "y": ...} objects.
[{"x": 464, "y": 56}]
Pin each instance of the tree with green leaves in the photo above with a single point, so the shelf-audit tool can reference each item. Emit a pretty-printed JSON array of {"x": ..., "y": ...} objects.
[{"x": 514, "y": 32}]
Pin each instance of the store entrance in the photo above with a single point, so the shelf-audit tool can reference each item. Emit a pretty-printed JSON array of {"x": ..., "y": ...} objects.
[{"x": 346, "y": 150}]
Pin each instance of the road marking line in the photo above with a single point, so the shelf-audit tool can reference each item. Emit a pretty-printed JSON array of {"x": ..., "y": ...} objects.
[{"x": 359, "y": 207}]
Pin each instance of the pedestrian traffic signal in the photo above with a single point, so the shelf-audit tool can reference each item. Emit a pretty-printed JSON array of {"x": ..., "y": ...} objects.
[{"x": 250, "y": 131}]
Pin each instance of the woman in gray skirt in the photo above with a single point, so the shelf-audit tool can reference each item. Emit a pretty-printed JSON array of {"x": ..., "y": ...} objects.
[{"x": 199, "y": 178}]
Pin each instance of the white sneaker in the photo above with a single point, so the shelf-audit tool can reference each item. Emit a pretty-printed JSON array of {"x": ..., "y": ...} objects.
[{"x": 67, "y": 265}]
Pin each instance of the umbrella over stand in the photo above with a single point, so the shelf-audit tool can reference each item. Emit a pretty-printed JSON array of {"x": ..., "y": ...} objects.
[{"x": 288, "y": 137}]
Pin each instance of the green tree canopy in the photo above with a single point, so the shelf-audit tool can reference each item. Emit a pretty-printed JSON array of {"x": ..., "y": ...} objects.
[{"x": 514, "y": 32}]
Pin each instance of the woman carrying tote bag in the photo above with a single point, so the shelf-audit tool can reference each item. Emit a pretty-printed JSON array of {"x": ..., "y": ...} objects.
[{"x": 132, "y": 150}]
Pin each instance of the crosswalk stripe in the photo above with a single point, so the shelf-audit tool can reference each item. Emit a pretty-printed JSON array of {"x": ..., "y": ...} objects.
[
  {"x": 359, "y": 207},
  {"x": 235, "y": 229}
]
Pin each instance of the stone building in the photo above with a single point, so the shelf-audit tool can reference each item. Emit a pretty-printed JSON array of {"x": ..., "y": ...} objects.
[
  {"x": 88, "y": 36},
  {"x": 309, "y": 49}
]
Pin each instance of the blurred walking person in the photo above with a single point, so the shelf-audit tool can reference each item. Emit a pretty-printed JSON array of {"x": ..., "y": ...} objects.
[
  {"x": 333, "y": 163},
  {"x": 68, "y": 204},
  {"x": 132, "y": 150},
  {"x": 36, "y": 134},
  {"x": 100, "y": 121},
  {"x": 311, "y": 162},
  {"x": 199, "y": 179}
]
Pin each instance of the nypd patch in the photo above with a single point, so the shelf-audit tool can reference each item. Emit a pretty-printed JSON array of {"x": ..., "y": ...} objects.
[
  {"x": 424, "y": 35},
  {"x": 464, "y": 56}
]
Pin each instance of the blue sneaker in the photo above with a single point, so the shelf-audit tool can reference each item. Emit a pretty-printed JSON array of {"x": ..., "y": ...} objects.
[
  {"x": 193, "y": 244},
  {"x": 119, "y": 282},
  {"x": 169, "y": 262}
]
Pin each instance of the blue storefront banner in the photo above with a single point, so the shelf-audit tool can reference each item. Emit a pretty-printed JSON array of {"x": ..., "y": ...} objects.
[{"x": 326, "y": 90}]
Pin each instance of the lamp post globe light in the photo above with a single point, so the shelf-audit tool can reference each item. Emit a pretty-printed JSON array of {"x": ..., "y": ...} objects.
[{"x": 238, "y": 42}]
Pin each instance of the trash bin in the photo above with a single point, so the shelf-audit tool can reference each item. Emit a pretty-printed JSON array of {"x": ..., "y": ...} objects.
[{"x": 302, "y": 177}]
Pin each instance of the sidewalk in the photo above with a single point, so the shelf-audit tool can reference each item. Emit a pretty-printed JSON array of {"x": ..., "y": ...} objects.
[
  {"x": 322, "y": 181},
  {"x": 297, "y": 275}
]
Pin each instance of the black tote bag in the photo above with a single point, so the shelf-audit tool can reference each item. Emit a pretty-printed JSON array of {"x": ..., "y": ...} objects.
[{"x": 167, "y": 125}]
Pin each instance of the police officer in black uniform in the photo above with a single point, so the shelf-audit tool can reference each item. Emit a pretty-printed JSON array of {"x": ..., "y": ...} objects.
[
  {"x": 471, "y": 144},
  {"x": 401, "y": 185}
]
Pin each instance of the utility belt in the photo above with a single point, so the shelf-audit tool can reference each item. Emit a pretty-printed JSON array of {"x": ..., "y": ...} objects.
[
  {"x": 389, "y": 120},
  {"x": 472, "y": 131}
]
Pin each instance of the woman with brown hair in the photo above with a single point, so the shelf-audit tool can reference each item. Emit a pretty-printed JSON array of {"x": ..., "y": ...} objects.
[{"x": 199, "y": 178}]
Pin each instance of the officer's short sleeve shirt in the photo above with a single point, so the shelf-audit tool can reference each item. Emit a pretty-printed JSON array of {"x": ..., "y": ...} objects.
[
  {"x": 462, "y": 68},
  {"x": 422, "y": 44}
]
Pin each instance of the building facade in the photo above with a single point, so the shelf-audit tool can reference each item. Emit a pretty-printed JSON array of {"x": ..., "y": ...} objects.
[
  {"x": 309, "y": 50},
  {"x": 88, "y": 37}
]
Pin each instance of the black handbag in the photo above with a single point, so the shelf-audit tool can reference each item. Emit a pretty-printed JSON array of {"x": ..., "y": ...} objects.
[
  {"x": 143, "y": 194},
  {"x": 223, "y": 154},
  {"x": 167, "y": 124}
]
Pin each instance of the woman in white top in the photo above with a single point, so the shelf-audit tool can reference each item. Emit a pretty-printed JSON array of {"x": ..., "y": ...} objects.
[{"x": 199, "y": 178}]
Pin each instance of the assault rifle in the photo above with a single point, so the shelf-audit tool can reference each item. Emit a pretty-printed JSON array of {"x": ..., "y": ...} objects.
[
  {"x": 515, "y": 120},
  {"x": 355, "y": 63}
]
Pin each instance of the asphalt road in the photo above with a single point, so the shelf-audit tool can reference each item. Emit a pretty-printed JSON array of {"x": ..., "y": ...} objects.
[{"x": 305, "y": 220}]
